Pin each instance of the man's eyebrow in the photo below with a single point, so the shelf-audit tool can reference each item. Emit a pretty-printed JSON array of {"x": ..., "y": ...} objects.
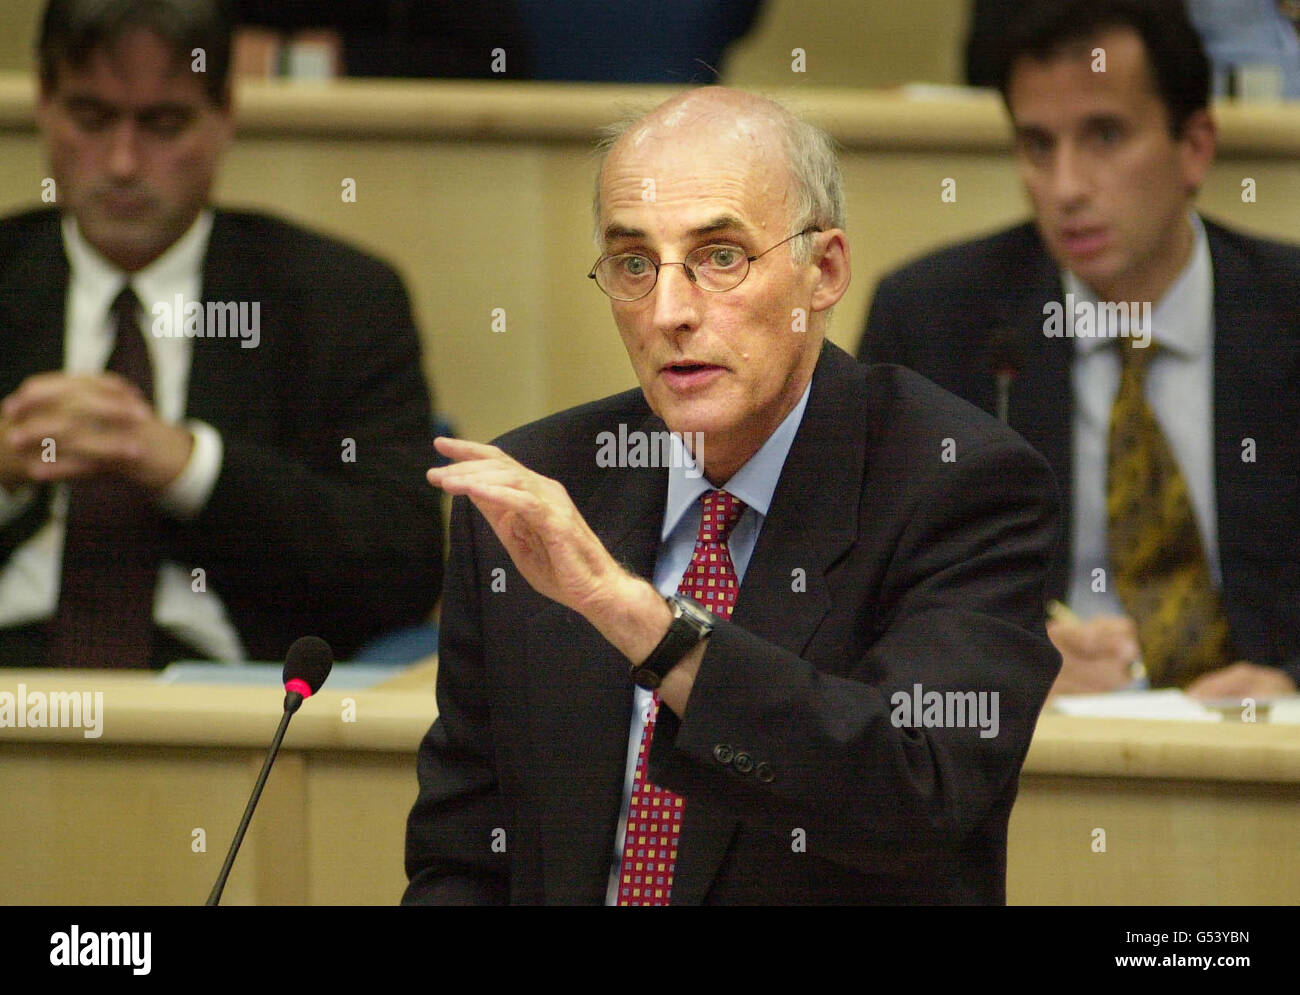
[
  {"x": 84, "y": 101},
  {"x": 725, "y": 222},
  {"x": 614, "y": 231},
  {"x": 1031, "y": 131},
  {"x": 1098, "y": 120}
]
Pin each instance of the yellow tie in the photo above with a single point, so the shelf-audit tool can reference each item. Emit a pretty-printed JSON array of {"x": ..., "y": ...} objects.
[{"x": 1155, "y": 548}]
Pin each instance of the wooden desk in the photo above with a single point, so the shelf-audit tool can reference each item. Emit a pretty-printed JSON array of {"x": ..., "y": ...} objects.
[
  {"x": 1192, "y": 813},
  {"x": 112, "y": 820}
]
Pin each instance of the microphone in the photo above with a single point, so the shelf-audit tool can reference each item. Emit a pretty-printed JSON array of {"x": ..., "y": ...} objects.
[
  {"x": 1005, "y": 360},
  {"x": 305, "y": 669},
  {"x": 306, "y": 666}
]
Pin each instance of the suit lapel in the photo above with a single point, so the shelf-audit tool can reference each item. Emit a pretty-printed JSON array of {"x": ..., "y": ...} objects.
[
  {"x": 580, "y": 703},
  {"x": 227, "y": 386},
  {"x": 33, "y": 304},
  {"x": 1251, "y": 363},
  {"x": 1236, "y": 363}
]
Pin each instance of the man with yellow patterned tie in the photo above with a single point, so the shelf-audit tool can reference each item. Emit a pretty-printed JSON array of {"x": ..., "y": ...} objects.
[{"x": 1171, "y": 417}]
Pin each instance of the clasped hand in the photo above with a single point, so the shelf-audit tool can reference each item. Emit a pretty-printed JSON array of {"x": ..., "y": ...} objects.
[{"x": 99, "y": 423}]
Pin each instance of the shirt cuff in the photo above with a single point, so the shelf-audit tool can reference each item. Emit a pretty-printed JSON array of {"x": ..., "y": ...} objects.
[
  {"x": 187, "y": 495},
  {"x": 13, "y": 503}
]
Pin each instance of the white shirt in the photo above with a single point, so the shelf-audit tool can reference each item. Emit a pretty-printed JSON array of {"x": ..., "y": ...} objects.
[
  {"x": 29, "y": 582},
  {"x": 1179, "y": 389}
]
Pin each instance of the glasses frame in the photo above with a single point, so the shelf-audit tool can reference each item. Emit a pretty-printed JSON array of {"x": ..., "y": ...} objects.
[{"x": 749, "y": 262}]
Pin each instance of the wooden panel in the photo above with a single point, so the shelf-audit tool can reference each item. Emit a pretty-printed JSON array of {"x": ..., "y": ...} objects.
[{"x": 480, "y": 194}]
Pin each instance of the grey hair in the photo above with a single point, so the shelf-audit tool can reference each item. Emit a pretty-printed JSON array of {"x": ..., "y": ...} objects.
[{"x": 817, "y": 188}]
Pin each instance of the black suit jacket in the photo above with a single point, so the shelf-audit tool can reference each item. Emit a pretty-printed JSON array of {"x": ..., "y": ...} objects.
[
  {"x": 293, "y": 539},
  {"x": 936, "y": 315},
  {"x": 918, "y": 571}
]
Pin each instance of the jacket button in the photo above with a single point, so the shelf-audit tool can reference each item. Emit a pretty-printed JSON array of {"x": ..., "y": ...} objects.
[
  {"x": 763, "y": 771},
  {"x": 744, "y": 763},
  {"x": 722, "y": 753}
]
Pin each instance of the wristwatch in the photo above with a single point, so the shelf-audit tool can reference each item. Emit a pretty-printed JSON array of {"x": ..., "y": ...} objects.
[{"x": 692, "y": 623}]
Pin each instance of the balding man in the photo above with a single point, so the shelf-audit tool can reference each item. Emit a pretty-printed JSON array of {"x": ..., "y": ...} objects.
[{"x": 767, "y": 629}]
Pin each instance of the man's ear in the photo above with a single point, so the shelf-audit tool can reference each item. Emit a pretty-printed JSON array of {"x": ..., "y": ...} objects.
[
  {"x": 1197, "y": 146},
  {"x": 833, "y": 265}
]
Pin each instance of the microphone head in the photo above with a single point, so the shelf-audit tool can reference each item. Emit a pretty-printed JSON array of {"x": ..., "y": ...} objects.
[
  {"x": 308, "y": 662},
  {"x": 1006, "y": 351}
]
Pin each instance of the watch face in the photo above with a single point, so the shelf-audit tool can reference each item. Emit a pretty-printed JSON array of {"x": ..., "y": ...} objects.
[{"x": 694, "y": 612}]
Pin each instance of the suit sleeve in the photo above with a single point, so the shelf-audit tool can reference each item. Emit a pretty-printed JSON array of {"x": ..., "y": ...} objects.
[
  {"x": 450, "y": 859},
  {"x": 961, "y": 610},
  {"x": 328, "y": 525}
]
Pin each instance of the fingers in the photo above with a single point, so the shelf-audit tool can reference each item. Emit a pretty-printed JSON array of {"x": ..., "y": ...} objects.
[
  {"x": 1104, "y": 637},
  {"x": 62, "y": 390},
  {"x": 58, "y": 426},
  {"x": 478, "y": 464},
  {"x": 1242, "y": 679},
  {"x": 1095, "y": 655},
  {"x": 464, "y": 449}
]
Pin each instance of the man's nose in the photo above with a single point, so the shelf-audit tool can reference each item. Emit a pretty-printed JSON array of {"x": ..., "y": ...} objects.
[
  {"x": 1070, "y": 175},
  {"x": 124, "y": 149},
  {"x": 676, "y": 298}
]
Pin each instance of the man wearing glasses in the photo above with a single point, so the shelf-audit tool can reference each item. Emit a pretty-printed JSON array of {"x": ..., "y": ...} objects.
[{"x": 658, "y": 686}]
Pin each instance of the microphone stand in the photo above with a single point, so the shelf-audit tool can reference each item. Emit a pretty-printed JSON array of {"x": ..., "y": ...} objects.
[{"x": 291, "y": 702}]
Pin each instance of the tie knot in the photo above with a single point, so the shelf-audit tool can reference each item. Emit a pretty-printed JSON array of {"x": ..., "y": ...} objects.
[
  {"x": 721, "y": 513},
  {"x": 1135, "y": 358},
  {"x": 125, "y": 306}
]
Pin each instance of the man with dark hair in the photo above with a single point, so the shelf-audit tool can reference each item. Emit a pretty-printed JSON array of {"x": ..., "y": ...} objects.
[
  {"x": 829, "y": 576},
  {"x": 1152, "y": 357},
  {"x": 213, "y": 423}
]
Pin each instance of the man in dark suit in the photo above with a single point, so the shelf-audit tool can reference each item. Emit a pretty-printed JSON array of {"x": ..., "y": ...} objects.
[
  {"x": 213, "y": 423},
  {"x": 810, "y": 563},
  {"x": 1113, "y": 139}
]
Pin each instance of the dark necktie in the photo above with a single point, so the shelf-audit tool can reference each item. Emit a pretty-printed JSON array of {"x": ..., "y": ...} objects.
[
  {"x": 110, "y": 557},
  {"x": 1160, "y": 568},
  {"x": 654, "y": 815}
]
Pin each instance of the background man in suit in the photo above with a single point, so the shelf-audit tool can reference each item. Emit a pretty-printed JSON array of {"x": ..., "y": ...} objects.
[
  {"x": 840, "y": 540},
  {"x": 1185, "y": 515},
  {"x": 170, "y": 494}
]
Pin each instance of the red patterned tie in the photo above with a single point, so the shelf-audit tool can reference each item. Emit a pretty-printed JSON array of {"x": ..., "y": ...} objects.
[{"x": 654, "y": 816}]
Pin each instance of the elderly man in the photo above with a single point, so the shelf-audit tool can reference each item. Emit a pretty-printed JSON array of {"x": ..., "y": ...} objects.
[
  {"x": 213, "y": 423},
  {"x": 1176, "y": 456},
  {"x": 835, "y": 548}
]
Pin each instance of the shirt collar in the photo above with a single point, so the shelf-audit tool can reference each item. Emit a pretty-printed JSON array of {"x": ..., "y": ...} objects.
[
  {"x": 1181, "y": 320},
  {"x": 754, "y": 483},
  {"x": 157, "y": 281}
]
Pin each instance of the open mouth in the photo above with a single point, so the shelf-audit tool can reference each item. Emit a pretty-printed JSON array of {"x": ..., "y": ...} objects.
[
  {"x": 1085, "y": 241},
  {"x": 689, "y": 373}
]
